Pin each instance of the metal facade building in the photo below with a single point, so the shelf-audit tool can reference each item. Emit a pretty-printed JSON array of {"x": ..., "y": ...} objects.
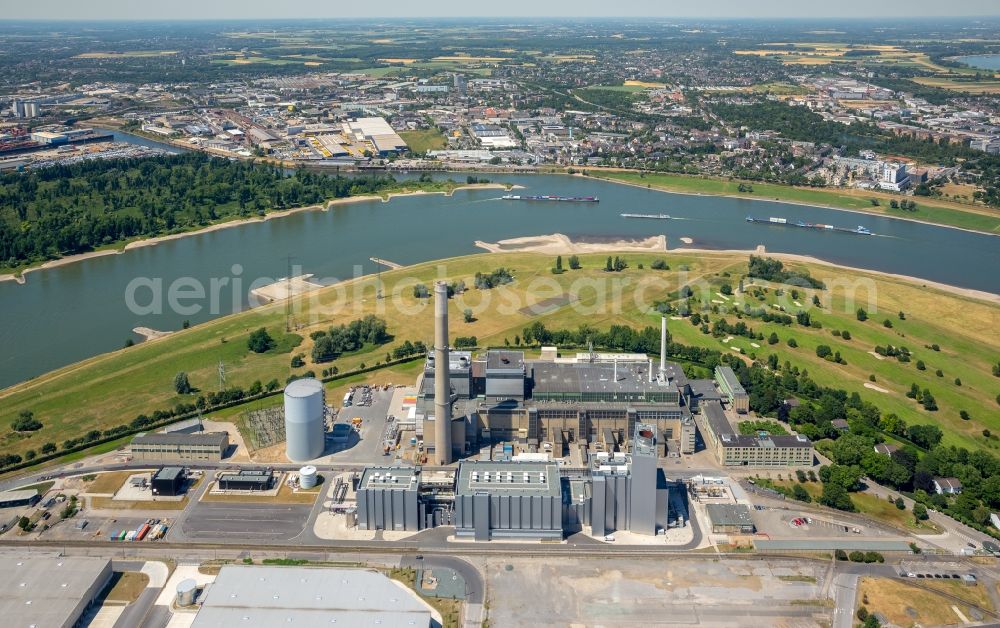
[
  {"x": 730, "y": 519},
  {"x": 246, "y": 480},
  {"x": 167, "y": 482},
  {"x": 624, "y": 492},
  {"x": 521, "y": 500},
  {"x": 387, "y": 499}
]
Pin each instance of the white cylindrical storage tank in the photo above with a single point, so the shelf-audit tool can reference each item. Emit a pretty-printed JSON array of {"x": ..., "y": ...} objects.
[
  {"x": 304, "y": 408},
  {"x": 307, "y": 476},
  {"x": 186, "y": 590}
]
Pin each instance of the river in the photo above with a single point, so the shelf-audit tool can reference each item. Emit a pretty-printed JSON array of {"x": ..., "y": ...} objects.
[
  {"x": 68, "y": 313},
  {"x": 982, "y": 62}
]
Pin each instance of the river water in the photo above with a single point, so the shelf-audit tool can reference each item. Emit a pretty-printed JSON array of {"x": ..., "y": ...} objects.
[{"x": 65, "y": 314}]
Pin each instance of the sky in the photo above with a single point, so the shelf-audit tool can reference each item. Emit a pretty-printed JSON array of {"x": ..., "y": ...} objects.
[{"x": 325, "y": 9}]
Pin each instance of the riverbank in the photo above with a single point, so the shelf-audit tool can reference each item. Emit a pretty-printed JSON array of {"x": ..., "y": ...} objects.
[
  {"x": 107, "y": 390},
  {"x": 969, "y": 293},
  {"x": 984, "y": 220},
  {"x": 19, "y": 276},
  {"x": 558, "y": 244}
]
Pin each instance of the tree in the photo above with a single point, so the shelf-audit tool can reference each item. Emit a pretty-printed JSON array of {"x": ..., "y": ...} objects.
[
  {"x": 800, "y": 493},
  {"x": 920, "y": 512},
  {"x": 324, "y": 350},
  {"x": 559, "y": 263},
  {"x": 792, "y": 343},
  {"x": 772, "y": 339},
  {"x": 835, "y": 496},
  {"x": 726, "y": 289},
  {"x": 181, "y": 384},
  {"x": 900, "y": 505},
  {"x": 260, "y": 341},
  {"x": 48, "y": 448},
  {"x": 24, "y": 523},
  {"x": 608, "y": 266},
  {"x": 862, "y": 314},
  {"x": 420, "y": 291},
  {"x": 574, "y": 262},
  {"x": 467, "y": 315},
  {"x": 26, "y": 422},
  {"x": 823, "y": 351},
  {"x": 887, "y": 324}
]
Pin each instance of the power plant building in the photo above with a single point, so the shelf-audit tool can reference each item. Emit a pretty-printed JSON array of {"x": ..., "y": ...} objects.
[
  {"x": 246, "y": 480},
  {"x": 305, "y": 413},
  {"x": 519, "y": 500},
  {"x": 387, "y": 499},
  {"x": 180, "y": 446}
]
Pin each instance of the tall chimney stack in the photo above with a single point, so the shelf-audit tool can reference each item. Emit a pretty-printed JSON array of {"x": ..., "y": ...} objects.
[
  {"x": 663, "y": 348},
  {"x": 442, "y": 386}
]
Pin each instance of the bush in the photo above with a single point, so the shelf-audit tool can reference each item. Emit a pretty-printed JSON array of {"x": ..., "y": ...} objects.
[
  {"x": 659, "y": 264},
  {"x": 920, "y": 512},
  {"x": 856, "y": 557},
  {"x": 823, "y": 351},
  {"x": 862, "y": 315},
  {"x": 899, "y": 504},
  {"x": 840, "y": 554},
  {"x": 792, "y": 343},
  {"x": 26, "y": 422},
  {"x": 260, "y": 341}
]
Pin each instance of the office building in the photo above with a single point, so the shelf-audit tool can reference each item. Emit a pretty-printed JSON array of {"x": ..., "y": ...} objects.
[{"x": 757, "y": 451}]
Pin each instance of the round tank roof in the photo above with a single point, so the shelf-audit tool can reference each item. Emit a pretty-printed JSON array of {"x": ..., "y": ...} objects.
[
  {"x": 187, "y": 585},
  {"x": 303, "y": 388},
  {"x": 307, "y": 470}
]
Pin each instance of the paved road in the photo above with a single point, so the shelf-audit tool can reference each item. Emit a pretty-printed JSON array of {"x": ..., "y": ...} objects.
[
  {"x": 138, "y": 612},
  {"x": 845, "y": 590}
]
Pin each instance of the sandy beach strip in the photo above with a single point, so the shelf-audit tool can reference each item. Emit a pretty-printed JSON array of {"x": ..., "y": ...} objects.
[
  {"x": 151, "y": 334},
  {"x": 558, "y": 243}
]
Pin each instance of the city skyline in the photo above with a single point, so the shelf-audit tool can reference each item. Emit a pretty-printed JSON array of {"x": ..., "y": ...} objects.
[{"x": 257, "y": 9}]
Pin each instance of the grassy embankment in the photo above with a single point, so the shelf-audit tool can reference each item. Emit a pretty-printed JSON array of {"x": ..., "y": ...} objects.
[
  {"x": 113, "y": 388},
  {"x": 933, "y": 210}
]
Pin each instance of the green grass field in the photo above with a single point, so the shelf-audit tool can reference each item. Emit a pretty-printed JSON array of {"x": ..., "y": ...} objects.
[
  {"x": 928, "y": 209},
  {"x": 425, "y": 140},
  {"x": 113, "y": 388}
]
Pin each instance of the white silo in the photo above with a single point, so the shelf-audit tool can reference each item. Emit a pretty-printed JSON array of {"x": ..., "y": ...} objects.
[
  {"x": 307, "y": 476},
  {"x": 186, "y": 590},
  {"x": 304, "y": 408}
]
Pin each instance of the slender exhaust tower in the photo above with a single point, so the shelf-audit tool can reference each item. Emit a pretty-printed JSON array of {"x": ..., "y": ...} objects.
[
  {"x": 663, "y": 348},
  {"x": 442, "y": 385}
]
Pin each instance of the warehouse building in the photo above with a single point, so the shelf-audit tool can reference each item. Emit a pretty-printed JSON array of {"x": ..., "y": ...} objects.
[
  {"x": 50, "y": 591},
  {"x": 167, "y": 482},
  {"x": 519, "y": 500},
  {"x": 757, "y": 451},
  {"x": 730, "y": 519},
  {"x": 387, "y": 499},
  {"x": 308, "y": 597},
  {"x": 180, "y": 446},
  {"x": 13, "y": 499},
  {"x": 246, "y": 480},
  {"x": 377, "y": 132},
  {"x": 732, "y": 389}
]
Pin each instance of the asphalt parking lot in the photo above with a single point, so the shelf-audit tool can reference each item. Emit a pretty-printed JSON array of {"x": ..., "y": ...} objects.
[
  {"x": 264, "y": 522},
  {"x": 366, "y": 445}
]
